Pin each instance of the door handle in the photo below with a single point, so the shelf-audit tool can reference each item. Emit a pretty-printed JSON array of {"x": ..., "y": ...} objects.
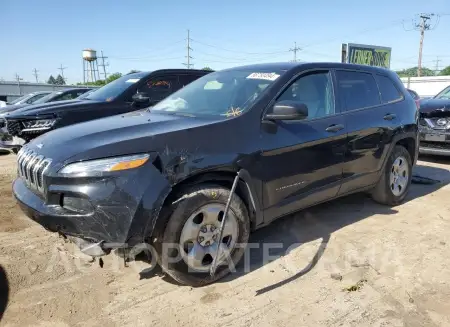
[
  {"x": 334, "y": 128},
  {"x": 390, "y": 117}
]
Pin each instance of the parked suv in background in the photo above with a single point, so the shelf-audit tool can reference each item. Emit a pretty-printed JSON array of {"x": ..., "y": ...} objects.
[
  {"x": 28, "y": 98},
  {"x": 49, "y": 97},
  {"x": 435, "y": 124},
  {"x": 128, "y": 93},
  {"x": 271, "y": 138}
]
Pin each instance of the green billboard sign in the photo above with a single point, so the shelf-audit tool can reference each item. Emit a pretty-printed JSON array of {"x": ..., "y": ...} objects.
[{"x": 369, "y": 55}]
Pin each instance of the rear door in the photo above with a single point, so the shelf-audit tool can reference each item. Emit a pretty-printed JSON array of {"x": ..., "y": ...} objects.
[
  {"x": 302, "y": 159},
  {"x": 370, "y": 115}
]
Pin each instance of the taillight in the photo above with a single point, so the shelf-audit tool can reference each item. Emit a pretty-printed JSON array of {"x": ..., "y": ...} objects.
[{"x": 417, "y": 104}]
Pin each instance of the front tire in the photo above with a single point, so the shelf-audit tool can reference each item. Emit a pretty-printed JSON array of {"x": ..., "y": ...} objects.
[
  {"x": 395, "y": 180},
  {"x": 189, "y": 241}
]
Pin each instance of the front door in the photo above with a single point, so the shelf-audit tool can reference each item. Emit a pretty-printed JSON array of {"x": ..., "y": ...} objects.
[{"x": 302, "y": 159}]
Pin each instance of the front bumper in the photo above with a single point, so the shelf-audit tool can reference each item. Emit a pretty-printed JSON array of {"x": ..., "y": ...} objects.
[
  {"x": 434, "y": 142},
  {"x": 8, "y": 141},
  {"x": 115, "y": 211}
]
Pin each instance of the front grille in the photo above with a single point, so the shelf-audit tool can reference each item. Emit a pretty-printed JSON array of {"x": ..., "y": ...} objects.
[
  {"x": 14, "y": 127},
  {"x": 436, "y": 123},
  {"x": 31, "y": 167}
]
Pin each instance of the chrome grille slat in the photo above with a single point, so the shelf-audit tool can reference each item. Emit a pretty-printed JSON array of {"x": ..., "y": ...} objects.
[{"x": 31, "y": 168}]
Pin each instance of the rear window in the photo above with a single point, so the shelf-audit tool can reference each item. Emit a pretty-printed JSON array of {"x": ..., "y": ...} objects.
[
  {"x": 357, "y": 89},
  {"x": 389, "y": 92}
]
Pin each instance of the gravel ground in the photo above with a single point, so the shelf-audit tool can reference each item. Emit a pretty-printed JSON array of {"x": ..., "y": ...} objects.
[{"x": 350, "y": 262}]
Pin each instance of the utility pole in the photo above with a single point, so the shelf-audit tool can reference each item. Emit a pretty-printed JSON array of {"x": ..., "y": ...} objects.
[
  {"x": 437, "y": 66},
  {"x": 61, "y": 68},
  {"x": 18, "y": 79},
  {"x": 422, "y": 26},
  {"x": 188, "y": 63},
  {"x": 105, "y": 74},
  {"x": 294, "y": 50},
  {"x": 35, "y": 73}
]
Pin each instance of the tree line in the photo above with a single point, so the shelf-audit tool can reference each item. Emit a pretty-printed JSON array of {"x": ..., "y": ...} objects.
[{"x": 412, "y": 72}]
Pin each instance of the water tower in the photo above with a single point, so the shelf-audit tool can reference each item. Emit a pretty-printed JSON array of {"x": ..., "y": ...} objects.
[{"x": 90, "y": 66}]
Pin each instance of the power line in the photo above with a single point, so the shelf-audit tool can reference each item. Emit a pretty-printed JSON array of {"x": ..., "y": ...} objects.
[
  {"x": 294, "y": 50},
  {"x": 188, "y": 49},
  {"x": 35, "y": 73},
  {"x": 166, "y": 48},
  {"x": 236, "y": 51},
  {"x": 61, "y": 68},
  {"x": 102, "y": 57}
]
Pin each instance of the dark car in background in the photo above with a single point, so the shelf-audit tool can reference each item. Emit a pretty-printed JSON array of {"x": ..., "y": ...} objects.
[
  {"x": 128, "y": 93},
  {"x": 48, "y": 98},
  {"x": 415, "y": 96},
  {"x": 28, "y": 98},
  {"x": 62, "y": 95},
  {"x": 263, "y": 140},
  {"x": 435, "y": 124}
]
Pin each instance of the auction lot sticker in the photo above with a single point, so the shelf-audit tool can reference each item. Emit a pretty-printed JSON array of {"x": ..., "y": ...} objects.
[{"x": 266, "y": 76}]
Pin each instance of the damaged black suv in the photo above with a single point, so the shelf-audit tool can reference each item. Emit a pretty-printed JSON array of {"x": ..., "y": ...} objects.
[{"x": 229, "y": 153}]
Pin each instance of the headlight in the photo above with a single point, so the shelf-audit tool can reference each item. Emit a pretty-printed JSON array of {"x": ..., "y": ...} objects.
[
  {"x": 96, "y": 167},
  {"x": 38, "y": 125}
]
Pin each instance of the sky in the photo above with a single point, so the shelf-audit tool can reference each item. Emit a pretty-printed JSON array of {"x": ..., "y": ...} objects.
[{"x": 149, "y": 34}]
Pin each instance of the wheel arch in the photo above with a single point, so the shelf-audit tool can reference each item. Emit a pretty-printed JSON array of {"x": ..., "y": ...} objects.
[{"x": 222, "y": 178}]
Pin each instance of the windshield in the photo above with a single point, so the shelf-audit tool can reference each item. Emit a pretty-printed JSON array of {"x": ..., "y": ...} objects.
[
  {"x": 85, "y": 95},
  {"x": 19, "y": 99},
  {"x": 224, "y": 93},
  {"x": 47, "y": 98},
  {"x": 444, "y": 94},
  {"x": 112, "y": 90}
]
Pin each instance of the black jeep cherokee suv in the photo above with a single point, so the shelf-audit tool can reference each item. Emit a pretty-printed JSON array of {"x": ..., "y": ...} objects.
[
  {"x": 271, "y": 139},
  {"x": 128, "y": 93}
]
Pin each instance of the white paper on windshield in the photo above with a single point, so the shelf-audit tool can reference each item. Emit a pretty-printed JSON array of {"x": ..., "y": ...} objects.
[
  {"x": 132, "y": 80},
  {"x": 176, "y": 104},
  {"x": 266, "y": 76}
]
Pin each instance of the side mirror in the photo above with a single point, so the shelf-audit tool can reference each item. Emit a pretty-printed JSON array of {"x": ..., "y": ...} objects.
[
  {"x": 141, "y": 97},
  {"x": 288, "y": 110}
]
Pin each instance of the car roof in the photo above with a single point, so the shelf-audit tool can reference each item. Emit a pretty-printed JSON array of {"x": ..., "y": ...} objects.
[
  {"x": 168, "y": 71},
  {"x": 291, "y": 65},
  {"x": 74, "y": 89},
  {"x": 39, "y": 92}
]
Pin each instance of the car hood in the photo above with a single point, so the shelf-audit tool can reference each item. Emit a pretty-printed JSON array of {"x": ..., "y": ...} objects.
[
  {"x": 11, "y": 108},
  {"x": 435, "y": 108},
  {"x": 49, "y": 108},
  {"x": 134, "y": 132}
]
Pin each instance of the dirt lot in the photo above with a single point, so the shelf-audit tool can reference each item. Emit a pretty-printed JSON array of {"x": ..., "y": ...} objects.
[{"x": 350, "y": 262}]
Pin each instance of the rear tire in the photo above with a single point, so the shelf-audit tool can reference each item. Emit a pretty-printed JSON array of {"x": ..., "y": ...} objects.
[
  {"x": 197, "y": 201},
  {"x": 395, "y": 180}
]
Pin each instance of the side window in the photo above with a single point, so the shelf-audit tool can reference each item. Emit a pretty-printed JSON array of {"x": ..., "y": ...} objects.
[
  {"x": 358, "y": 90},
  {"x": 160, "y": 87},
  {"x": 315, "y": 91},
  {"x": 186, "y": 79},
  {"x": 68, "y": 95},
  {"x": 35, "y": 98},
  {"x": 389, "y": 93}
]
